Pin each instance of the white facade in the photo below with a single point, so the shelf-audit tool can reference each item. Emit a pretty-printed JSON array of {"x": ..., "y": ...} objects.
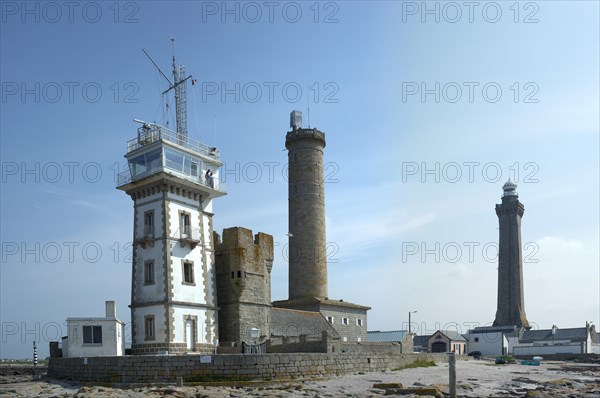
[
  {"x": 174, "y": 306},
  {"x": 491, "y": 343},
  {"x": 95, "y": 337},
  {"x": 540, "y": 349}
]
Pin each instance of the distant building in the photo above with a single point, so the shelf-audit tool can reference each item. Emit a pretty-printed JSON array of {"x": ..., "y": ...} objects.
[
  {"x": 391, "y": 336},
  {"x": 447, "y": 341},
  {"x": 582, "y": 340},
  {"x": 95, "y": 337},
  {"x": 520, "y": 341},
  {"x": 420, "y": 343},
  {"x": 401, "y": 337},
  {"x": 492, "y": 340}
]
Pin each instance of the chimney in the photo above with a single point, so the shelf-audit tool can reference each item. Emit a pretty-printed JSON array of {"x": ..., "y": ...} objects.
[
  {"x": 111, "y": 311},
  {"x": 554, "y": 329}
]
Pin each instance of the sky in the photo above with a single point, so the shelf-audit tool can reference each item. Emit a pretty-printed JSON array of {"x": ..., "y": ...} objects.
[{"x": 428, "y": 108}]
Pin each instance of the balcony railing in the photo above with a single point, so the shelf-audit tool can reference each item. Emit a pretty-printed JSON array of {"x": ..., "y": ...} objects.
[
  {"x": 148, "y": 232},
  {"x": 305, "y": 133},
  {"x": 189, "y": 235},
  {"x": 149, "y": 133},
  {"x": 213, "y": 182}
]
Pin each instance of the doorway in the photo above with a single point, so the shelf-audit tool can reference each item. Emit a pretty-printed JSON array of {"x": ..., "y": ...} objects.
[{"x": 189, "y": 334}]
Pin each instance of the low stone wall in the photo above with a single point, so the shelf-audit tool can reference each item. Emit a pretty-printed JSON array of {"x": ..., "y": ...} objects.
[{"x": 168, "y": 369}]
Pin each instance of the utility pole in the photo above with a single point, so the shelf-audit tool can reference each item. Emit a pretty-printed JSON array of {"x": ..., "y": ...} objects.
[{"x": 409, "y": 313}]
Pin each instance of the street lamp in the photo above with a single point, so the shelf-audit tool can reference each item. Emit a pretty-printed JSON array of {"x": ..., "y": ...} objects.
[{"x": 410, "y": 312}]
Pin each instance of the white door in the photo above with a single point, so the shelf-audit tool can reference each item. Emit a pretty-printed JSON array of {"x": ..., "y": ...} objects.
[{"x": 189, "y": 334}]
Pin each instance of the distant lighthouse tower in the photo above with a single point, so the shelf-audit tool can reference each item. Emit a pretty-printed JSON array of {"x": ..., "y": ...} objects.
[
  {"x": 307, "y": 241},
  {"x": 511, "y": 303},
  {"x": 172, "y": 180}
]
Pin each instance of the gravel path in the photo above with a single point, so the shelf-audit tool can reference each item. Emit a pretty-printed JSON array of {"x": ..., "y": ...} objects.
[{"x": 475, "y": 379}]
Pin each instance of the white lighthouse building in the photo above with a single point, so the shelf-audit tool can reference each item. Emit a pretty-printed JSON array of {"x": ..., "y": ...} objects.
[{"x": 172, "y": 180}]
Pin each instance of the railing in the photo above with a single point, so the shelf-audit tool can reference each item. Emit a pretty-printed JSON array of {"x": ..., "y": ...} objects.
[
  {"x": 305, "y": 132},
  {"x": 149, "y": 133},
  {"x": 148, "y": 232},
  {"x": 189, "y": 233},
  {"x": 213, "y": 182}
]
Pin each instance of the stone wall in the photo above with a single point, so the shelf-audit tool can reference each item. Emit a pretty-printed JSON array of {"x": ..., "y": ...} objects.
[
  {"x": 351, "y": 330},
  {"x": 167, "y": 369},
  {"x": 243, "y": 268},
  {"x": 302, "y": 343}
]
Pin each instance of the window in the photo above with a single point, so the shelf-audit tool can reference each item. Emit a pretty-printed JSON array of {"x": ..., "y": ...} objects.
[
  {"x": 359, "y": 322},
  {"x": 145, "y": 164},
  {"x": 185, "y": 225},
  {"x": 344, "y": 338},
  {"x": 358, "y": 339},
  {"x": 149, "y": 327},
  {"x": 239, "y": 273},
  {"x": 92, "y": 335},
  {"x": 477, "y": 339},
  {"x": 149, "y": 272},
  {"x": 330, "y": 319},
  {"x": 149, "y": 224},
  {"x": 345, "y": 321},
  {"x": 188, "y": 272}
]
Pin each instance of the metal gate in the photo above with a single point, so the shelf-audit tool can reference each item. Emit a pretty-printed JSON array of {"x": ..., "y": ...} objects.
[{"x": 254, "y": 348}]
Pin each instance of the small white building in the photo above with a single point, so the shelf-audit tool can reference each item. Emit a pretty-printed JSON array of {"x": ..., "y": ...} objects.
[
  {"x": 492, "y": 340},
  {"x": 95, "y": 337}
]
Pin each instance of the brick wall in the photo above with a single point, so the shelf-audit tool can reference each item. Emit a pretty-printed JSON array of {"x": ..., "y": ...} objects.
[{"x": 157, "y": 369}]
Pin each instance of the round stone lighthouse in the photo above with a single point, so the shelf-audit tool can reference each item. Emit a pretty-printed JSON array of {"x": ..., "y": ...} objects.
[{"x": 307, "y": 241}]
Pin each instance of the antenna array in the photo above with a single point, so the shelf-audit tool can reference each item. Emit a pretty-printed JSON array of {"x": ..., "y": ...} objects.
[{"x": 180, "y": 89}]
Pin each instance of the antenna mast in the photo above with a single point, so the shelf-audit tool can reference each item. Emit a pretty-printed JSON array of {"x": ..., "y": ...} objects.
[
  {"x": 179, "y": 85},
  {"x": 180, "y": 97}
]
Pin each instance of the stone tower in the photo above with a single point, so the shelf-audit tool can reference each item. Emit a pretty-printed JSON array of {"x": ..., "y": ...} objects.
[
  {"x": 307, "y": 241},
  {"x": 173, "y": 287},
  {"x": 243, "y": 266},
  {"x": 511, "y": 303}
]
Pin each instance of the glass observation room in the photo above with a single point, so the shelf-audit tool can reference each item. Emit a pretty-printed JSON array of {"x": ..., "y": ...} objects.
[{"x": 158, "y": 149}]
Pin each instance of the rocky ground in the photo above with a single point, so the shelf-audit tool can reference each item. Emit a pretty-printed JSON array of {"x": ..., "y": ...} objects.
[{"x": 475, "y": 379}]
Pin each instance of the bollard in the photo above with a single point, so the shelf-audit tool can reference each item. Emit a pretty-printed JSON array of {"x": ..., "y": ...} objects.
[{"x": 452, "y": 370}]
